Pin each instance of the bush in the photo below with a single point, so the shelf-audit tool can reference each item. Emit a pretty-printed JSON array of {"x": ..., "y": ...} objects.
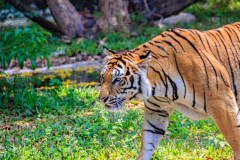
[{"x": 23, "y": 44}]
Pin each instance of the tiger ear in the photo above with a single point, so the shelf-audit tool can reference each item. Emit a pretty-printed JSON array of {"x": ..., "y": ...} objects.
[
  {"x": 144, "y": 59},
  {"x": 108, "y": 52}
]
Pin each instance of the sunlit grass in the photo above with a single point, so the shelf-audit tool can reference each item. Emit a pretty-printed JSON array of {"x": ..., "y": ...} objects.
[{"x": 70, "y": 123}]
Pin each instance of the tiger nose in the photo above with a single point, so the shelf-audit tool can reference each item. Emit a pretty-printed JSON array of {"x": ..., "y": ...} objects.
[{"x": 103, "y": 99}]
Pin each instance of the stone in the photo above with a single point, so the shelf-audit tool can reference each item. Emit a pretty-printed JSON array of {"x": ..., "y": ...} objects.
[{"x": 182, "y": 17}]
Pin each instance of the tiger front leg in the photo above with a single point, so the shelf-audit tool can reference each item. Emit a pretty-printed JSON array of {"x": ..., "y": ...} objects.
[
  {"x": 226, "y": 116},
  {"x": 154, "y": 127}
]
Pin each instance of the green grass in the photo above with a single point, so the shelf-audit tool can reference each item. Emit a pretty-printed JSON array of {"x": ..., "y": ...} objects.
[{"x": 69, "y": 123}]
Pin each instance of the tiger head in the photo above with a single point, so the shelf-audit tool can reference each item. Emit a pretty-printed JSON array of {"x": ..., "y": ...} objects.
[{"x": 123, "y": 78}]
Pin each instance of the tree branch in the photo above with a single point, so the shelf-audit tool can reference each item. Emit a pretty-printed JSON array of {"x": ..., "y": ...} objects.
[{"x": 38, "y": 19}]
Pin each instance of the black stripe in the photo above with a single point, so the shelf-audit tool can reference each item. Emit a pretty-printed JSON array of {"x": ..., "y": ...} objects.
[
  {"x": 160, "y": 47},
  {"x": 201, "y": 40},
  {"x": 193, "y": 97},
  {"x": 234, "y": 48},
  {"x": 226, "y": 83},
  {"x": 156, "y": 129},
  {"x": 234, "y": 33},
  {"x": 136, "y": 49},
  {"x": 162, "y": 111},
  {"x": 152, "y": 145},
  {"x": 162, "y": 115},
  {"x": 120, "y": 59},
  {"x": 238, "y": 126},
  {"x": 131, "y": 80},
  {"x": 205, "y": 107},
  {"x": 134, "y": 96},
  {"x": 159, "y": 111},
  {"x": 159, "y": 99},
  {"x": 166, "y": 85},
  {"x": 233, "y": 79},
  {"x": 118, "y": 71},
  {"x": 216, "y": 45},
  {"x": 153, "y": 103},
  {"x": 127, "y": 73},
  {"x": 169, "y": 43},
  {"x": 145, "y": 55},
  {"x": 130, "y": 55},
  {"x": 213, "y": 69},
  {"x": 153, "y": 95},
  {"x": 154, "y": 55},
  {"x": 181, "y": 76},
  {"x": 208, "y": 43},
  {"x": 139, "y": 84},
  {"x": 176, "y": 41},
  {"x": 128, "y": 58},
  {"x": 150, "y": 43},
  {"x": 196, "y": 51},
  {"x": 193, "y": 33},
  {"x": 174, "y": 87},
  {"x": 154, "y": 132},
  {"x": 158, "y": 74}
]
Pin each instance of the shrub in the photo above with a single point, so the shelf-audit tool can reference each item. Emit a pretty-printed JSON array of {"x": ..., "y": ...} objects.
[{"x": 23, "y": 44}]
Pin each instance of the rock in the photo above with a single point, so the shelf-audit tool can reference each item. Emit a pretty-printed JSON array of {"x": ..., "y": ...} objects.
[
  {"x": 73, "y": 58},
  {"x": 67, "y": 41},
  {"x": 134, "y": 34},
  {"x": 15, "y": 22},
  {"x": 58, "y": 53},
  {"x": 96, "y": 57},
  {"x": 64, "y": 37},
  {"x": 182, "y": 17},
  {"x": 10, "y": 16},
  {"x": 159, "y": 24}
]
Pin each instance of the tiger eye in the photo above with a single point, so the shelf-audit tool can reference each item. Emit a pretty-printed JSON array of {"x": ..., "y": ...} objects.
[{"x": 118, "y": 79}]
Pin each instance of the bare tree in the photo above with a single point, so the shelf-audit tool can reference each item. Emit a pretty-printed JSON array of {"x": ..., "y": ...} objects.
[
  {"x": 67, "y": 17},
  {"x": 36, "y": 18},
  {"x": 114, "y": 15},
  {"x": 163, "y": 8}
]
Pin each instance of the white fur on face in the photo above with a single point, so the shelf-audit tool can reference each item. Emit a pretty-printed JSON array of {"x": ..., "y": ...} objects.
[{"x": 104, "y": 70}]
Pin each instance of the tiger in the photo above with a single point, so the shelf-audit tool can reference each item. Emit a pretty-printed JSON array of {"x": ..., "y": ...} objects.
[{"x": 196, "y": 73}]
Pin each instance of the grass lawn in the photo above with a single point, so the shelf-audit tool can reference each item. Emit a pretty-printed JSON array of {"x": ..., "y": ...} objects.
[{"x": 69, "y": 123}]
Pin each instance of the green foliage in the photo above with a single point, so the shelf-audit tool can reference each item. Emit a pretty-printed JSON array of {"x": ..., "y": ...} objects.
[
  {"x": 220, "y": 4},
  {"x": 71, "y": 124},
  {"x": 23, "y": 44}
]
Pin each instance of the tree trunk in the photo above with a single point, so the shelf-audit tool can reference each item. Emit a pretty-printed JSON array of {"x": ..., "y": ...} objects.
[
  {"x": 36, "y": 18},
  {"x": 114, "y": 15},
  {"x": 67, "y": 17},
  {"x": 165, "y": 8}
]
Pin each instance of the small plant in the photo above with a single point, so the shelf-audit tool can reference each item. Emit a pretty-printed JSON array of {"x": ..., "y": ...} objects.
[{"x": 23, "y": 44}]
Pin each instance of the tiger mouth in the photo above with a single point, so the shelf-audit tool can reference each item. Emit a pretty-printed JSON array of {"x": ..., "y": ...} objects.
[
  {"x": 115, "y": 105},
  {"x": 107, "y": 106}
]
